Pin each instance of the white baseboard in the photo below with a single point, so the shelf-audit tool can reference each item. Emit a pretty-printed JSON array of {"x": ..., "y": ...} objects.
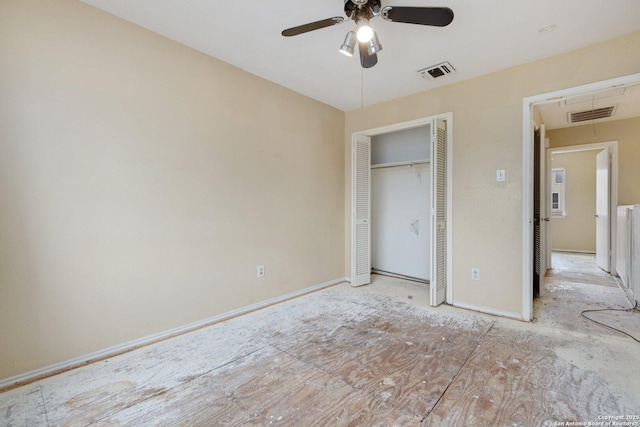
[
  {"x": 76, "y": 362},
  {"x": 628, "y": 293},
  {"x": 573, "y": 251},
  {"x": 488, "y": 310}
]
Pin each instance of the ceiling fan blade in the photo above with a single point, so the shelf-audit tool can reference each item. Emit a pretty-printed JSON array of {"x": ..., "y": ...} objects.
[
  {"x": 435, "y": 16},
  {"x": 312, "y": 26},
  {"x": 366, "y": 60}
]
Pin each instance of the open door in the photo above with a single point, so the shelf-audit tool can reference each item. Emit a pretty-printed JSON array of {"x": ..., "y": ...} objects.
[
  {"x": 540, "y": 211},
  {"x": 547, "y": 202},
  {"x": 361, "y": 210},
  {"x": 602, "y": 210},
  {"x": 543, "y": 214},
  {"x": 537, "y": 238},
  {"x": 438, "y": 284}
]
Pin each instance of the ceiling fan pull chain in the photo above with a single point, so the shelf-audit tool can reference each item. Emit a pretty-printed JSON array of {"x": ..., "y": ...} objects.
[{"x": 361, "y": 87}]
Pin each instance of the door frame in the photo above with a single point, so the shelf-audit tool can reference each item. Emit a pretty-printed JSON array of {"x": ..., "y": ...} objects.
[
  {"x": 527, "y": 172},
  {"x": 430, "y": 120}
]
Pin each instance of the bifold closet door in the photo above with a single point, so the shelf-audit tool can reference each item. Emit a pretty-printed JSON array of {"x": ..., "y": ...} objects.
[
  {"x": 361, "y": 210},
  {"x": 439, "y": 213}
]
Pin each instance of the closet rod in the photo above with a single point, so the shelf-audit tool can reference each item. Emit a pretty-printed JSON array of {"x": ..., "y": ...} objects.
[{"x": 393, "y": 165}]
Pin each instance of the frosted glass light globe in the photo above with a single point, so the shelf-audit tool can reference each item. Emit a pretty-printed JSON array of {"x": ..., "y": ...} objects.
[{"x": 365, "y": 32}]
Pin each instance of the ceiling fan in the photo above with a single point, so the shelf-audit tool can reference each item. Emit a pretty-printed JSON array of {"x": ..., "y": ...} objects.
[{"x": 361, "y": 12}]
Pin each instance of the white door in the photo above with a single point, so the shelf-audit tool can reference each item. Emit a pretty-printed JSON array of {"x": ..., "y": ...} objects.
[
  {"x": 547, "y": 174},
  {"x": 544, "y": 214},
  {"x": 438, "y": 285},
  {"x": 602, "y": 210},
  {"x": 361, "y": 210}
]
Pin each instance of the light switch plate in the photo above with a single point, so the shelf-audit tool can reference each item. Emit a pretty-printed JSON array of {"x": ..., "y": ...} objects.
[{"x": 501, "y": 175}]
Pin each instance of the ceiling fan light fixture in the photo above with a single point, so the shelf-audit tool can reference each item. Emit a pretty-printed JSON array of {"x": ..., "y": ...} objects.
[
  {"x": 349, "y": 44},
  {"x": 374, "y": 45},
  {"x": 364, "y": 30},
  {"x": 361, "y": 12}
]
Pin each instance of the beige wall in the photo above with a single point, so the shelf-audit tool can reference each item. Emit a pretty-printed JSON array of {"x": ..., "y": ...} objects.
[
  {"x": 487, "y": 135},
  {"x": 142, "y": 182},
  {"x": 627, "y": 133},
  {"x": 577, "y": 230}
]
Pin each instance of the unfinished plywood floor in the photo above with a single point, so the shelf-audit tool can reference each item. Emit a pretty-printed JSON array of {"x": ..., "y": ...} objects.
[{"x": 371, "y": 356}]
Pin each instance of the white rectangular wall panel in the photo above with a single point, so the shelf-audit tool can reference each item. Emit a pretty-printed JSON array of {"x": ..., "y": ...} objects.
[{"x": 400, "y": 227}]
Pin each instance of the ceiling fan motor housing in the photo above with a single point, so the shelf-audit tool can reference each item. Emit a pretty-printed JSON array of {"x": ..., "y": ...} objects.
[{"x": 361, "y": 8}]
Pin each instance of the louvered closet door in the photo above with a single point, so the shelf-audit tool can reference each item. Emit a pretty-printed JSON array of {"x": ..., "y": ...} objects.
[
  {"x": 537, "y": 237},
  {"x": 439, "y": 213},
  {"x": 361, "y": 211}
]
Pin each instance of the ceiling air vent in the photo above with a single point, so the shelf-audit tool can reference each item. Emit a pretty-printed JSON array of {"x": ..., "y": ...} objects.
[
  {"x": 588, "y": 115},
  {"x": 436, "y": 71}
]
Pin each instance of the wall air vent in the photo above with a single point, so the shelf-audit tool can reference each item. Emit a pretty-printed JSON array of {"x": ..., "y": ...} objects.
[
  {"x": 588, "y": 115},
  {"x": 435, "y": 71}
]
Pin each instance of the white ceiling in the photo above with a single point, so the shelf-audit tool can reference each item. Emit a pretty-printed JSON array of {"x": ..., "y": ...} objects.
[{"x": 485, "y": 36}]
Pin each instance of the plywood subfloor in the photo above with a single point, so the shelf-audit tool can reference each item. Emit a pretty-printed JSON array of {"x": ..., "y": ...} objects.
[{"x": 371, "y": 356}]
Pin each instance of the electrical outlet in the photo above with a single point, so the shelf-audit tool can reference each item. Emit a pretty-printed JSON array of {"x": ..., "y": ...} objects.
[
  {"x": 260, "y": 271},
  {"x": 475, "y": 274}
]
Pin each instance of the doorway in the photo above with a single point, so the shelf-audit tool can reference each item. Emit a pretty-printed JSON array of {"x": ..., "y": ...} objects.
[
  {"x": 584, "y": 181},
  {"x": 439, "y": 214},
  {"x": 528, "y": 176},
  {"x": 400, "y": 203}
]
